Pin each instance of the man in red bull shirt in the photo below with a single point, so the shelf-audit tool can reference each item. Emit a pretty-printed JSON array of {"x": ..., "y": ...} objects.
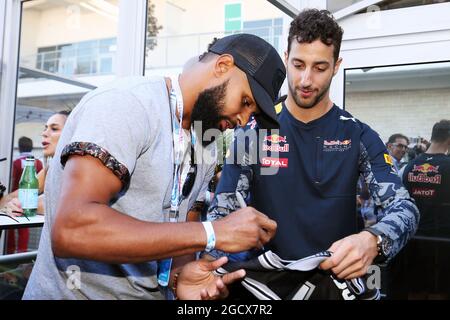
[
  {"x": 312, "y": 195},
  {"x": 427, "y": 256}
]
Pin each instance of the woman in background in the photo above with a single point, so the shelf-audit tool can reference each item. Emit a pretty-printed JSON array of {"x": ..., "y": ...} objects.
[{"x": 50, "y": 137}]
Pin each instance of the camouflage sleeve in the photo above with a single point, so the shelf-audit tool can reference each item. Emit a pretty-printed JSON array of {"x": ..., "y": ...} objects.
[
  {"x": 225, "y": 201},
  {"x": 236, "y": 177},
  {"x": 396, "y": 213}
]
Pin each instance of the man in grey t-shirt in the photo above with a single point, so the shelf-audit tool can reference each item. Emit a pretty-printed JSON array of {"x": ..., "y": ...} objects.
[{"x": 109, "y": 186}]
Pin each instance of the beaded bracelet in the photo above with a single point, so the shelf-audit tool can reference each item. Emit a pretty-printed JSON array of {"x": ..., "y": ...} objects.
[{"x": 175, "y": 284}]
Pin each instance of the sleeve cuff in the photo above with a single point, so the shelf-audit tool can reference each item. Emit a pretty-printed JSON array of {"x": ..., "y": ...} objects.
[{"x": 91, "y": 149}]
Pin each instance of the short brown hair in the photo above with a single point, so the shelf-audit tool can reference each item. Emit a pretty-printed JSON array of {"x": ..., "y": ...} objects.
[
  {"x": 313, "y": 24},
  {"x": 397, "y": 136},
  {"x": 441, "y": 131}
]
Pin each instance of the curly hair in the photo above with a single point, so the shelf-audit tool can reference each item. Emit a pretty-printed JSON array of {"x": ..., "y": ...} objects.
[{"x": 313, "y": 24}]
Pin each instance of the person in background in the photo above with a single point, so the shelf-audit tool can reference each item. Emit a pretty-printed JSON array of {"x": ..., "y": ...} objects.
[
  {"x": 23, "y": 234},
  {"x": 13, "y": 282},
  {"x": 397, "y": 146},
  {"x": 427, "y": 257},
  {"x": 420, "y": 147},
  {"x": 50, "y": 137},
  {"x": 25, "y": 148}
]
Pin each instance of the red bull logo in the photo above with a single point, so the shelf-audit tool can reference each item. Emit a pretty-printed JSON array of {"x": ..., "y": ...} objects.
[
  {"x": 252, "y": 124},
  {"x": 337, "y": 142},
  {"x": 275, "y": 138},
  {"x": 276, "y": 148},
  {"x": 337, "y": 145},
  {"x": 426, "y": 168},
  {"x": 423, "y": 178},
  {"x": 346, "y": 142}
]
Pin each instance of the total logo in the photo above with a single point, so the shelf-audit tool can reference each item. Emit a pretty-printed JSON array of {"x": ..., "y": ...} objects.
[
  {"x": 274, "y": 162},
  {"x": 424, "y": 192}
]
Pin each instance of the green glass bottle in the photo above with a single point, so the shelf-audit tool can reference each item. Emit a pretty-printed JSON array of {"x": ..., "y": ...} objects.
[{"x": 29, "y": 188}]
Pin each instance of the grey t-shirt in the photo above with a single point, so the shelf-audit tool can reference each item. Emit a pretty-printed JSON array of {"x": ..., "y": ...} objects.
[{"x": 127, "y": 125}]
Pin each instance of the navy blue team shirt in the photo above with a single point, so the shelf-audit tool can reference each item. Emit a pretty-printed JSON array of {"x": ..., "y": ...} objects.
[{"x": 312, "y": 196}]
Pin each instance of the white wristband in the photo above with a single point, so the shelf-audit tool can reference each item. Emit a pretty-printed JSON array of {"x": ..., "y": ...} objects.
[{"x": 210, "y": 236}]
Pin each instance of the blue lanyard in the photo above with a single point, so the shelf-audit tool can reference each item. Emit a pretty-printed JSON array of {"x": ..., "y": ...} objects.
[
  {"x": 176, "y": 105},
  {"x": 179, "y": 177}
]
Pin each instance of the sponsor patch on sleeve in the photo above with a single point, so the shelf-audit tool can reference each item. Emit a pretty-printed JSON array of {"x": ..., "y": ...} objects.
[
  {"x": 388, "y": 159},
  {"x": 278, "y": 108}
]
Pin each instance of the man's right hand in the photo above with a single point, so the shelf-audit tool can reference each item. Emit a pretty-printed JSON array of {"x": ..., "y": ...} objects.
[{"x": 244, "y": 229}]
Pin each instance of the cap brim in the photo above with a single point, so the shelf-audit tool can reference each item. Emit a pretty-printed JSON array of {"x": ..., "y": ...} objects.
[{"x": 267, "y": 119}]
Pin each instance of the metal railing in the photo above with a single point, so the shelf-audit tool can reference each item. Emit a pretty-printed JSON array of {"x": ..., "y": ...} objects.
[
  {"x": 18, "y": 258},
  {"x": 74, "y": 61}
]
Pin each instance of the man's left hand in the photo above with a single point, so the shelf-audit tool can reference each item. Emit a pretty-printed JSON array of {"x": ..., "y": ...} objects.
[
  {"x": 352, "y": 255},
  {"x": 197, "y": 281}
]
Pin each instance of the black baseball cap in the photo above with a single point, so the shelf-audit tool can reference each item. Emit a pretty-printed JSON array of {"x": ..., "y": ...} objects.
[{"x": 264, "y": 69}]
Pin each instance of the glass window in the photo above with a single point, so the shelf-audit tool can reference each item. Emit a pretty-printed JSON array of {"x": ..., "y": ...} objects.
[
  {"x": 409, "y": 100},
  {"x": 83, "y": 65},
  {"x": 67, "y": 60},
  {"x": 78, "y": 58},
  {"x": 61, "y": 42},
  {"x": 105, "y": 65},
  {"x": 180, "y": 30},
  {"x": 269, "y": 29},
  {"x": 107, "y": 45},
  {"x": 85, "y": 49}
]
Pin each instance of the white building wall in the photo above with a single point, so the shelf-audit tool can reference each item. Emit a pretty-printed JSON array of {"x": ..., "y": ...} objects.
[
  {"x": 29, "y": 36},
  {"x": 68, "y": 24},
  {"x": 410, "y": 112}
]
